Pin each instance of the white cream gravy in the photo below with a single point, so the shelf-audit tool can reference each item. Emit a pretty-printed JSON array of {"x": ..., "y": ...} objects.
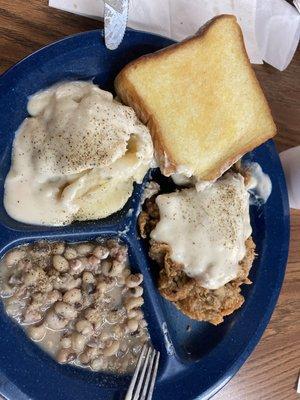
[
  {"x": 75, "y": 157},
  {"x": 207, "y": 230}
]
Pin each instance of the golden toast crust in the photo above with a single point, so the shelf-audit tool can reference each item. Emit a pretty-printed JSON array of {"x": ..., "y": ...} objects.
[{"x": 128, "y": 94}]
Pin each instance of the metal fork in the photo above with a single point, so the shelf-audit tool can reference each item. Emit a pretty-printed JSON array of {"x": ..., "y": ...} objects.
[{"x": 143, "y": 380}]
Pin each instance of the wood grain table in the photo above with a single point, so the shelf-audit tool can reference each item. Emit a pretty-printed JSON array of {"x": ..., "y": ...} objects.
[{"x": 271, "y": 371}]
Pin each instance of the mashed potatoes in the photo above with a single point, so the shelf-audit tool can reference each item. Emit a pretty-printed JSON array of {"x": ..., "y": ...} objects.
[{"x": 76, "y": 157}]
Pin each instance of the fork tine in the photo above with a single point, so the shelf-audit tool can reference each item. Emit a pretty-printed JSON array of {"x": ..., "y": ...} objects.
[
  {"x": 150, "y": 393},
  {"x": 142, "y": 374},
  {"x": 136, "y": 371},
  {"x": 149, "y": 372}
]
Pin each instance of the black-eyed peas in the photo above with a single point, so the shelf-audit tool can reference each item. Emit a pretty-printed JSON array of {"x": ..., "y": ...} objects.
[
  {"x": 135, "y": 313},
  {"x": 79, "y": 302},
  {"x": 93, "y": 262},
  {"x": 60, "y": 263},
  {"x": 132, "y": 324},
  {"x": 37, "y": 332},
  {"x": 112, "y": 348},
  {"x": 54, "y": 321},
  {"x": 101, "y": 252},
  {"x": 78, "y": 341},
  {"x": 105, "y": 335},
  {"x": 31, "y": 316},
  {"x": 14, "y": 256},
  {"x": 76, "y": 265},
  {"x": 106, "y": 267},
  {"x": 116, "y": 316},
  {"x": 133, "y": 280},
  {"x": 99, "y": 364},
  {"x": 53, "y": 296},
  {"x": 118, "y": 331},
  {"x": 34, "y": 277},
  {"x": 66, "y": 355},
  {"x": 136, "y": 291},
  {"x": 116, "y": 268},
  {"x": 91, "y": 314},
  {"x": 66, "y": 342},
  {"x": 72, "y": 296},
  {"x": 88, "y": 355},
  {"x": 85, "y": 248},
  {"x": 65, "y": 310},
  {"x": 66, "y": 282},
  {"x": 88, "y": 277},
  {"x": 58, "y": 248},
  {"x": 70, "y": 253},
  {"x": 133, "y": 302},
  {"x": 84, "y": 326}
]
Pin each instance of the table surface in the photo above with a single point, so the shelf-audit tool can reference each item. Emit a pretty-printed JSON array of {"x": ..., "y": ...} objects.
[{"x": 272, "y": 370}]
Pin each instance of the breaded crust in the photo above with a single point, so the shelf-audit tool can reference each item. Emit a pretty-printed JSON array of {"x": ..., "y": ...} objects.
[{"x": 186, "y": 293}]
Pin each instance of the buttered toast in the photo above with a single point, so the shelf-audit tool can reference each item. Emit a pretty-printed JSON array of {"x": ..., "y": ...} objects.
[{"x": 200, "y": 99}]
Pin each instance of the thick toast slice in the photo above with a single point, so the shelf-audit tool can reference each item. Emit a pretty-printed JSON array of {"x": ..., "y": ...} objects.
[{"x": 200, "y": 99}]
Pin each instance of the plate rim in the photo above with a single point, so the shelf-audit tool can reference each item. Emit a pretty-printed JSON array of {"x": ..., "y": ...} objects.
[{"x": 285, "y": 247}]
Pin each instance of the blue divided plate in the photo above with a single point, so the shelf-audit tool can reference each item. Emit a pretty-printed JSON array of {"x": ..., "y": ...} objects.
[{"x": 195, "y": 362}]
